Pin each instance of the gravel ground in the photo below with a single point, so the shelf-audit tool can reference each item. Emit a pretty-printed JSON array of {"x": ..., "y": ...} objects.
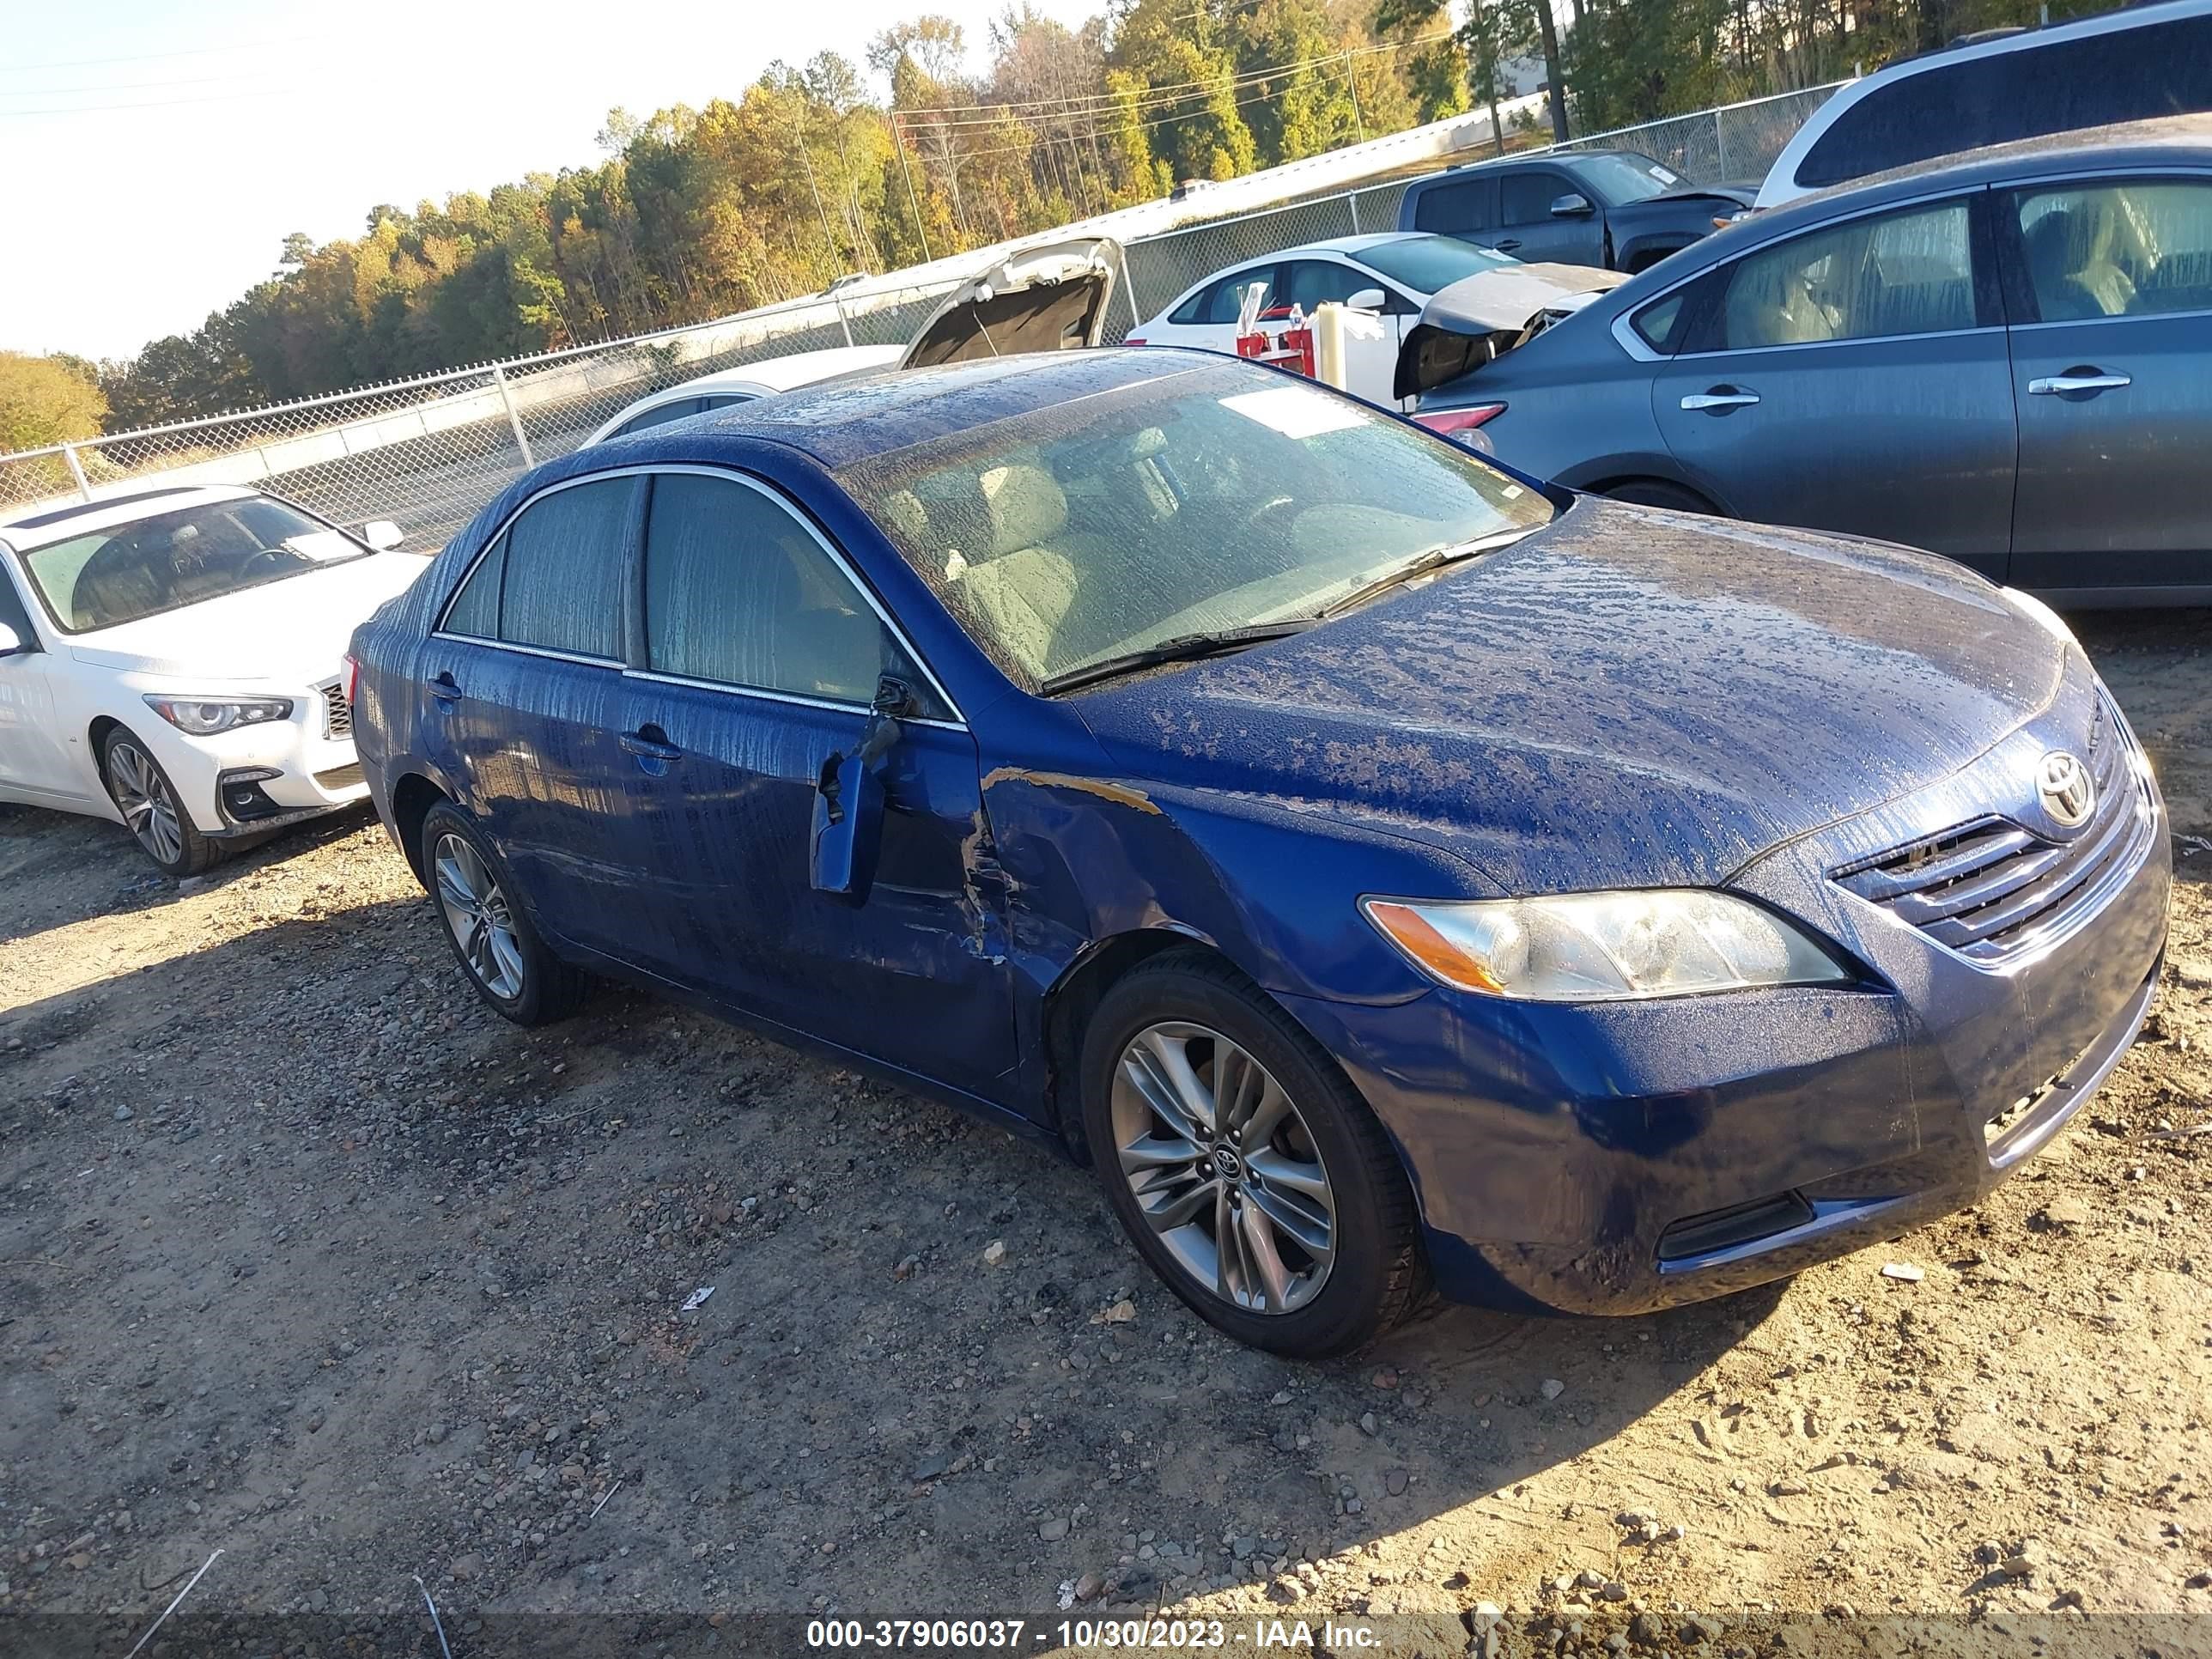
[{"x": 305, "y": 1256}]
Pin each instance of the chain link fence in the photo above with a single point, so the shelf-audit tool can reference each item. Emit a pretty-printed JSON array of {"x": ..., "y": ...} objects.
[{"x": 430, "y": 453}]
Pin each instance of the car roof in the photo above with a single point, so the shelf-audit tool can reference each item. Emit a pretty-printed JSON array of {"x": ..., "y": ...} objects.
[
  {"x": 848, "y": 420},
  {"x": 38, "y": 525},
  {"x": 1550, "y": 157},
  {"x": 795, "y": 368}
]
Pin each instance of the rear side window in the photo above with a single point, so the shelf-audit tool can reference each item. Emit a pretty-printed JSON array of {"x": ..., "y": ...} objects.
[
  {"x": 1218, "y": 302},
  {"x": 1658, "y": 322},
  {"x": 1887, "y": 274},
  {"x": 2129, "y": 75},
  {"x": 475, "y": 610},
  {"x": 2135, "y": 249},
  {"x": 659, "y": 414},
  {"x": 1455, "y": 209},
  {"x": 561, "y": 589},
  {"x": 738, "y": 593}
]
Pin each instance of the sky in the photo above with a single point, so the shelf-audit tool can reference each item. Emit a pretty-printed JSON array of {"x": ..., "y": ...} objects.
[{"x": 157, "y": 154}]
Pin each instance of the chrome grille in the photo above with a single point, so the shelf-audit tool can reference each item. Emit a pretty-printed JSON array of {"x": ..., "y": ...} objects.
[
  {"x": 338, "y": 713},
  {"x": 1991, "y": 888}
]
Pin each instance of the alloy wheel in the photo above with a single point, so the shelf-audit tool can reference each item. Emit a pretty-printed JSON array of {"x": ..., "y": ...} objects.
[
  {"x": 478, "y": 916},
  {"x": 142, "y": 796},
  {"x": 1223, "y": 1168}
]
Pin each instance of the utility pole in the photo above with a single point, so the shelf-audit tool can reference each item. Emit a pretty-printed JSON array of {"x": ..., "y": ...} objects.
[
  {"x": 829, "y": 236},
  {"x": 1351, "y": 82},
  {"x": 899, "y": 140}
]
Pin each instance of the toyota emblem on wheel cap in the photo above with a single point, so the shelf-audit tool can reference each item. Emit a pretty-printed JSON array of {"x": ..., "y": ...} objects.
[{"x": 2063, "y": 784}]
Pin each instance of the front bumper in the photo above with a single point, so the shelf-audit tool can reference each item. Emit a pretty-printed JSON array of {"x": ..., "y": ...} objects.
[
  {"x": 1625, "y": 1158},
  {"x": 262, "y": 777}
]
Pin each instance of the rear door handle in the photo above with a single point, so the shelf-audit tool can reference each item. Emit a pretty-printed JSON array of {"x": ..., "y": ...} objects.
[
  {"x": 1721, "y": 396},
  {"x": 2077, "y": 380},
  {"x": 649, "y": 743},
  {"x": 445, "y": 690}
]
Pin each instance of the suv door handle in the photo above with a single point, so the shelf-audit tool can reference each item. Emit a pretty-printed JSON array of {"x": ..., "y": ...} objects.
[
  {"x": 649, "y": 743},
  {"x": 2077, "y": 380},
  {"x": 1721, "y": 396},
  {"x": 444, "y": 689}
]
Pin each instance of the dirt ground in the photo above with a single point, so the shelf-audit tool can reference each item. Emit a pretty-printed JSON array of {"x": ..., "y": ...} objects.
[{"x": 305, "y": 1256}]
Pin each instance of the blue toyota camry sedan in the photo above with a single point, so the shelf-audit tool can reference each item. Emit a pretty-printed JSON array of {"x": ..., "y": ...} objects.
[{"x": 1386, "y": 871}]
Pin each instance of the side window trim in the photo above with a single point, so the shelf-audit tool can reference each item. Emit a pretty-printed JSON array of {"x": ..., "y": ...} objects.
[
  {"x": 1707, "y": 305},
  {"x": 635, "y": 667}
]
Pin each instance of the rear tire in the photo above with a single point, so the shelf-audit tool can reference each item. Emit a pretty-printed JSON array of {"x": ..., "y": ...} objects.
[
  {"x": 490, "y": 932},
  {"x": 1657, "y": 492},
  {"x": 152, "y": 810},
  {"x": 1208, "y": 1111}
]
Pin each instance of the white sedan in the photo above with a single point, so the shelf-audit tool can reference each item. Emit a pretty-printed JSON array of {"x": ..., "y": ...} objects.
[
  {"x": 1392, "y": 274},
  {"x": 742, "y": 385},
  {"x": 174, "y": 660}
]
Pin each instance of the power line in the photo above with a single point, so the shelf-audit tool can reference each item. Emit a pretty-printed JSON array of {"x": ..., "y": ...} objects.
[
  {"x": 130, "y": 86},
  {"x": 148, "y": 56},
  {"x": 157, "y": 103}
]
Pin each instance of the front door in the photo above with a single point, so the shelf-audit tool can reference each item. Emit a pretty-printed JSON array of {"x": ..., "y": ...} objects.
[
  {"x": 34, "y": 763},
  {"x": 761, "y": 658},
  {"x": 2112, "y": 359},
  {"x": 1528, "y": 230},
  {"x": 1854, "y": 378}
]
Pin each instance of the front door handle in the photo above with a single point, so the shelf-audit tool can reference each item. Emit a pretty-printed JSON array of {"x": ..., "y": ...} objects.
[
  {"x": 649, "y": 743},
  {"x": 2080, "y": 379},
  {"x": 445, "y": 690},
  {"x": 1720, "y": 398}
]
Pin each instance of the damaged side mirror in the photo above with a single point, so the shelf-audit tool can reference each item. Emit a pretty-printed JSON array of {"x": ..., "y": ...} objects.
[{"x": 848, "y": 798}]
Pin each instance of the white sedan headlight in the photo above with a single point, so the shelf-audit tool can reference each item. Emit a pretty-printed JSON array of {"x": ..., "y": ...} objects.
[
  {"x": 204, "y": 717},
  {"x": 1602, "y": 947}
]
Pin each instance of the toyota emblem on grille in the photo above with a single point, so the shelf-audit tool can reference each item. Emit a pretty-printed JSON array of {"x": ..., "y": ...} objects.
[{"x": 2065, "y": 786}]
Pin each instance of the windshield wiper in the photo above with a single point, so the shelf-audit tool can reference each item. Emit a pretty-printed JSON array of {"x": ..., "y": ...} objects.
[
  {"x": 1419, "y": 565},
  {"x": 1182, "y": 648}
]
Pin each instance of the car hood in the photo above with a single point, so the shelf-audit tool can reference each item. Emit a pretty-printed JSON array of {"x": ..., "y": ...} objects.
[
  {"x": 1627, "y": 697},
  {"x": 1735, "y": 195},
  {"x": 1049, "y": 297},
  {"x": 293, "y": 631}
]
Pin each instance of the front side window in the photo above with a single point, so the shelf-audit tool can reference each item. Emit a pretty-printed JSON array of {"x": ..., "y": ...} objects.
[
  {"x": 737, "y": 592},
  {"x": 561, "y": 589},
  {"x": 1321, "y": 281},
  {"x": 1884, "y": 275},
  {"x": 1525, "y": 197},
  {"x": 1212, "y": 497},
  {"x": 170, "y": 560},
  {"x": 2135, "y": 249}
]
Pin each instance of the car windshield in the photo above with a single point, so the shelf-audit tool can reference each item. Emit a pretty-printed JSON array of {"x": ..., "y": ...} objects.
[
  {"x": 1627, "y": 178},
  {"x": 1428, "y": 265},
  {"x": 169, "y": 560},
  {"x": 1214, "y": 498}
]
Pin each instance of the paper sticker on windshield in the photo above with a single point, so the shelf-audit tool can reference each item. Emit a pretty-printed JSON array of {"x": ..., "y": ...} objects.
[
  {"x": 321, "y": 544},
  {"x": 1296, "y": 412},
  {"x": 1662, "y": 174}
]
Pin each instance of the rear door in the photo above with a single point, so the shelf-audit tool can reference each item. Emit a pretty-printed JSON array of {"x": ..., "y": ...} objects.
[
  {"x": 523, "y": 688},
  {"x": 1855, "y": 378},
  {"x": 2110, "y": 287},
  {"x": 1465, "y": 207},
  {"x": 760, "y": 656},
  {"x": 1528, "y": 230}
]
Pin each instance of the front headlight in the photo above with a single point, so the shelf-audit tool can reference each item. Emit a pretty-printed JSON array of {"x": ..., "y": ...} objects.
[
  {"x": 1602, "y": 947},
  {"x": 2040, "y": 614},
  {"x": 204, "y": 718}
]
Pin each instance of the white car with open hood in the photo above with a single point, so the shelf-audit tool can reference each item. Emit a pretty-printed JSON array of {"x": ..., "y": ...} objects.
[
  {"x": 1045, "y": 298},
  {"x": 174, "y": 660}
]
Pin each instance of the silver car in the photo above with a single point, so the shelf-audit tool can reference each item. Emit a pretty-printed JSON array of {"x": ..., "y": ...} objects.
[{"x": 2006, "y": 358}]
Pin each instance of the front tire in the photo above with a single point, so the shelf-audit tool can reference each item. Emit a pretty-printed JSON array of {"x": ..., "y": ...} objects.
[
  {"x": 152, "y": 809},
  {"x": 1246, "y": 1169},
  {"x": 490, "y": 932}
]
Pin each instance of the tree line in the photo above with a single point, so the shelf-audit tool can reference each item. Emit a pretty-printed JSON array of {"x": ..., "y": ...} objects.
[{"x": 810, "y": 171}]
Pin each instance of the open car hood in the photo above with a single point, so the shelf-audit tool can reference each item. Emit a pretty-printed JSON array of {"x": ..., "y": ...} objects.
[
  {"x": 1486, "y": 315},
  {"x": 1048, "y": 298}
]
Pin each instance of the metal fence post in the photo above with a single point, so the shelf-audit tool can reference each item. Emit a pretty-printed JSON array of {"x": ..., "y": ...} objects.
[
  {"x": 513, "y": 419},
  {"x": 841, "y": 322},
  {"x": 1352, "y": 200},
  {"x": 1720, "y": 147},
  {"x": 1128, "y": 288},
  {"x": 76, "y": 470}
]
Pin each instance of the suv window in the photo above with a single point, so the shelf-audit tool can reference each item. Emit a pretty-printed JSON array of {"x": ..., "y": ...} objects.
[
  {"x": 1455, "y": 209},
  {"x": 736, "y": 592},
  {"x": 2060, "y": 85},
  {"x": 2117, "y": 250},
  {"x": 1910, "y": 272},
  {"x": 561, "y": 589},
  {"x": 1525, "y": 197}
]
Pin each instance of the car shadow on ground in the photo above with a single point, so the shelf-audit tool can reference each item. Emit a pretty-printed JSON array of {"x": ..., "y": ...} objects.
[{"x": 336, "y": 1231}]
